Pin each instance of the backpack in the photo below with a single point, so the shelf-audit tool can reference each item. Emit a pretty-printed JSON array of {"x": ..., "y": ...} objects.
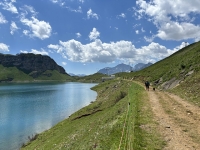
[{"x": 147, "y": 83}]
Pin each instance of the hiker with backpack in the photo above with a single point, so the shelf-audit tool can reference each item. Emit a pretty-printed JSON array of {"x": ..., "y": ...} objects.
[{"x": 147, "y": 84}]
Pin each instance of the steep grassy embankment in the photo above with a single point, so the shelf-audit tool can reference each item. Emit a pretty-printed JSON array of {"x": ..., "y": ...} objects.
[{"x": 101, "y": 124}]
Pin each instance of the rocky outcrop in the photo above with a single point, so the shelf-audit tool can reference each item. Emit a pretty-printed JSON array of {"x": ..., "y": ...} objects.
[
  {"x": 170, "y": 84},
  {"x": 31, "y": 64}
]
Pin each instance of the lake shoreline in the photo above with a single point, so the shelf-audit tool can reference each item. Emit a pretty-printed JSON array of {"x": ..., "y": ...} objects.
[{"x": 34, "y": 107}]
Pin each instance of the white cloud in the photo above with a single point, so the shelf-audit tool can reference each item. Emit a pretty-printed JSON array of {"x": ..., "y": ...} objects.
[
  {"x": 136, "y": 25},
  {"x": 82, "y": 1},
  {"x": 94, "y": 34},
  {"x": 149, "y": 39},
  {"x": 122, "y": 15},
  {"x": 9, "y": 6},
  {"x": 97, "y": 51},
  {"x": 22, "y": 51},
  {"x": 34, "y": 51},
  {"x": 53, "y": 46},
  {"x": 54, "y": 1},
  {"x": 183, "y": 44},
  {"x": 174, "y": 19},
  {"x": 26, "y": 32},
  {"x": 13, "y": 28},
  {"x": 137, "y": 31},
  {"x": 64, "y": 63},
  {"x": 78, "y": 10},
  {"x": 62, "y": 3},
  {"x": 28, "y": 9},
  {"x": 2, "y": 19},
  {"x": 90, "y": 14},
  {"x": 4, "y": 47},
  {"x": 178, "y": 31},
  {"x": 78, "y": 35},
  {"x": 39, "y": 29},
  {"x": 142, "y": 30}
]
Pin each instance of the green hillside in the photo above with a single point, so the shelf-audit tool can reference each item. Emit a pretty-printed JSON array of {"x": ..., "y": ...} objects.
[
  {"x": 54, "y": 75},
  {"x": 91, "y": 78},
  {"x": 179, "y": 73},
  {"x": 13, "y": 74},
  {"x": 30, "y": 67}
]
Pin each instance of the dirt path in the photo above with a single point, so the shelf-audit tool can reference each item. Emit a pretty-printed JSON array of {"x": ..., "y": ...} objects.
[{"x": 178, "y": 121}]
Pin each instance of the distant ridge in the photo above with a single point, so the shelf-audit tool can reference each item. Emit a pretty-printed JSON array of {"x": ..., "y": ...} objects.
[
  {"x": 123, "y": 68},
  {"x": 78, "y": 75}
]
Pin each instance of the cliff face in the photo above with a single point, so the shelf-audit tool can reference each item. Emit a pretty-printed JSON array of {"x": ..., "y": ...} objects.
[{"x": 31, "y": 64}]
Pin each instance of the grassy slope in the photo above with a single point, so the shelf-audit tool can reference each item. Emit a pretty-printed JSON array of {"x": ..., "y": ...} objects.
[
  {"x": 176, "y": 65},
  {"x": 17, "y": 75},
  {"x": 13, "y": 72},
  {"x": 100, "y": 125},
  {"x": 91, "y": 78},
  {"x": 54, "y": 75}
]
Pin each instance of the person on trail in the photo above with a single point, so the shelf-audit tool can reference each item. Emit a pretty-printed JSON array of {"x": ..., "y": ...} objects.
[{"x": 147, "y": 84}]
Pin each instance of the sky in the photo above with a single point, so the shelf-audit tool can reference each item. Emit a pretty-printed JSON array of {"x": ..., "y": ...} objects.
[{"x": 84, "y": 36}]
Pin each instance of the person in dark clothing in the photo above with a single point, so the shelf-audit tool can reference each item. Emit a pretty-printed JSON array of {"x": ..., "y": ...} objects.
[{"x": 147, "y": 84}]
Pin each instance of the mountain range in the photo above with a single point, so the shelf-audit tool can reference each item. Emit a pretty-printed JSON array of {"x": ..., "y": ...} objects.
[{"x": 123, "y": 68}]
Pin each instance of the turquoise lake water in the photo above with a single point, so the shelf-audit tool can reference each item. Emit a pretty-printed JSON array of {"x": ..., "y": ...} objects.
[{"x": 28, "y": 109}]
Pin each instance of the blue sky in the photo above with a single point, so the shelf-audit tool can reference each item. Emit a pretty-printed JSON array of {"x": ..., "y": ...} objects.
[{"x": 84, "y": 36}]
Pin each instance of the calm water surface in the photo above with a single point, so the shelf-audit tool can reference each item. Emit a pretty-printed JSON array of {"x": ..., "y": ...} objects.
[{"x": 27, "y": 109}]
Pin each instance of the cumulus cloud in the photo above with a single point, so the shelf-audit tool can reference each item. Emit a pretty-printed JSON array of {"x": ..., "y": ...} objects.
[
  {"x": 13, "y": 28},
  {"x": 97, "y": 51},
  {"x": 179, "y": 31},
  {"x": 39, "y": 29},
  {"x": 26, "y": 32},
  {"x": 64, "y": 63},
  {"x": 137, "y": 31},
  {"x": 4, "y": 47},
  {"x": 78, "y": 35},
  {"x": 90, "y": 14},
  {"x": 94, "y": 34},
  {"x": 34, "y": 51},
  {"x": 174, "y": 19},
  {"x": 149, "y": 39},
  {"x": 51, "y": 46},
  {"x": 2, "y": 19},
  {"x": 9, "y": 6}
]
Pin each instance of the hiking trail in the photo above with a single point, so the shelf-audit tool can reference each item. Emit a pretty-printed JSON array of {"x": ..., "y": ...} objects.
[{"x": 178, "y": 120}]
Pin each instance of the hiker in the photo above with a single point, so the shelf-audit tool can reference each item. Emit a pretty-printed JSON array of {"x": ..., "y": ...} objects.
[{"x": 147, "y": 84}]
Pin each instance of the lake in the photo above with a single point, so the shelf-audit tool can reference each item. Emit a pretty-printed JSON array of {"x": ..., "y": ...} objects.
[{"x": 31, "y": 108}]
